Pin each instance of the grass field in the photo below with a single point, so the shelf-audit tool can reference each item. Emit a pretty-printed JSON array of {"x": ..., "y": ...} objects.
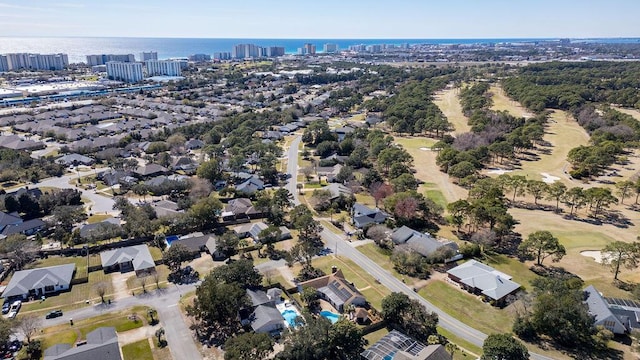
[
  {"x": 97, "y": 218},
  {"x": 633, "y": 112},
  {"x": 501, "y": 102},
  {"x": 563, "y": 133},
  {"x": 427, "y": 171},
  {"x": 449, "y": 104},
  {"x": 139, "y": 350}
]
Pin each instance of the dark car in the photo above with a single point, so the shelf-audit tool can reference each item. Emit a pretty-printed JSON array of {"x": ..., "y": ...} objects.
[
  {"x": 54, "y": 314},
  {"x": 15, "y": 345},
  {"x": 5, "y": 307}
]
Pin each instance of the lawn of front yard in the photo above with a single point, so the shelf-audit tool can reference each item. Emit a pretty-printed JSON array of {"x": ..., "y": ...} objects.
[{"x": 139, "y": 350}]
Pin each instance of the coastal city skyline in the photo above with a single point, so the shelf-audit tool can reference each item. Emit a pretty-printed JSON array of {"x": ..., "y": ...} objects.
[{"x": 354, "y": 19}]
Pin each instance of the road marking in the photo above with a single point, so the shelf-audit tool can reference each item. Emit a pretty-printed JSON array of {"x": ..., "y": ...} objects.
[{"x": 172, "y": 305}]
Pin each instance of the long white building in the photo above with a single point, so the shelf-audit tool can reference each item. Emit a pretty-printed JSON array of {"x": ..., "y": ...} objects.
[
  {"x": 17, "y": 61},
  {"x": 163, "y": 68},
  {"x": 242, "y": 51},
  {"x": 150, "y": 55},
  {"x": 93, "y": 60},
  {"x": 127, "y": 72}
]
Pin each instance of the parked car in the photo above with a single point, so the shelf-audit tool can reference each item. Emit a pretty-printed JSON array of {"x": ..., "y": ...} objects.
[
  {"x": 53, "y": 314},
  {"x": 5, "y": 307},
  {"x": 15, "y": 345},
  {"x": 13, "y": 310}
]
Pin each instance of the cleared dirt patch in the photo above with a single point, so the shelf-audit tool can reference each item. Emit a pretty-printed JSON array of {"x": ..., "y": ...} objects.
[{"x": 447, "y": 101}]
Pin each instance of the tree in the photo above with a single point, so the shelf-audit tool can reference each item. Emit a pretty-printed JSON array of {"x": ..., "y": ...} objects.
[
  {"x": 404, "y": 182},
  {"x": 210, "y": 170},
  {"x": 159, "y": 334},
  {"x": 555, "y": 192},
  {"x": 345, "y": 340},
  {"x": 517, "y": 184},
  {"x": 203, "y": 214},
  {"x": 542, "y": 244},
  {"x": 624, "y": 189},
  {"x": 621, "y": 254},
  {"x": 537, "y": 189},
  {"x": 6, "y": 329},
  {"x": 409, "y": 315},
  {"x": 310, "y": 296},
  {"x": 574, "y": 198},
  {"x": 101, "y": 289},
  {"x": 215, "y": 308},
  {"x": 240, "y": 272},
  {"x": 19, "y": 250},
  {"x": 248, "y": 346},
  {"x": 29, "y": 325},
  {"x": 380, "y": 191},
  {"x": 503, "y": 347},
  {"x": 461, "y": 170},
  {"x": 599, "y": 199},
  {"x": 175, "y": 256},
  {"x": 228, "y": 243}
]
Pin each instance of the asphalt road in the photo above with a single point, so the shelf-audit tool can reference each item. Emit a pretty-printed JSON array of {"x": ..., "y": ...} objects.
[
  {"x": 340, "y": 246},
  {"x": 177, "y": 332}
]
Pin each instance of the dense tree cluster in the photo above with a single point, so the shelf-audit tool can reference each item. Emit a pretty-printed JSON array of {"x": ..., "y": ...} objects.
[
  {"x": 17, "y": 165},
  {"x": 567, "y": 85},
  {"x": 409, "y": 316}
]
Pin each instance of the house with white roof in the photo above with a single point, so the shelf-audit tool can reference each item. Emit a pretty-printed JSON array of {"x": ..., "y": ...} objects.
[
  {"x": 484, "y": 280},
  {"x": 604, "y": 316},
  {"x": 39, "y": 282}
]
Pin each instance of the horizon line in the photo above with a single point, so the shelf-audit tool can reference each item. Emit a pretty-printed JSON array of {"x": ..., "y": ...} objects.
[{"x": 330, "y": 38}]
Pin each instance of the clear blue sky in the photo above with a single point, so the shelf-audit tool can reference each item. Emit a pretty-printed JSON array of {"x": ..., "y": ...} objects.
[{"x": 321, "y": 18}]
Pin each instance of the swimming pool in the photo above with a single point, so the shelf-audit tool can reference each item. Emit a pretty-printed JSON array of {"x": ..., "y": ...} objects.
[
  {"x": 333, "y": 317},
  {"x": 171, "y": 238},
  {"x": 290, "y": 316}
]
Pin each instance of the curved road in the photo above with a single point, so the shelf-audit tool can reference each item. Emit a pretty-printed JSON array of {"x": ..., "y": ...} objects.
[{"x": 343, "y": 248}]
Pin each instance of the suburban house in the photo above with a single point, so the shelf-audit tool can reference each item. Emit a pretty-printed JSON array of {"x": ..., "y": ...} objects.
[
  {"x": 481, "y": 279},
  {"x": 338, "y": 190},
  {"x": 603, "y": 312},
  {"x": 250, "y": 186},
  {"x": 253, "y": 231},
  {"x": 39, "y": 282},
  {"x": 330, "y": 172},
  {"x": 240, "y": 208},
  {"x": 342, "y": 132},
  {"x": 337, "y": 291},
  {"x": 194, "y": 144},
  {"x": 102, "y": 344},
  {"x": 398, "y": 346},
  {"x": 75, "y": 160},
  {"x": 164, "y": 208},
  {"x": 136, "y": 258},
  {"x": 150, "y": 170},
  {"x": 87, "y": 231},
  {"x": 423, "y": 244},
  {"x": 263, "y": 316},
  {"x": 9, "y": 219},
  {"x": 28, "y": 227},
  {"x": 197, "y": 243},
  {"x": 362, "y": 216}
]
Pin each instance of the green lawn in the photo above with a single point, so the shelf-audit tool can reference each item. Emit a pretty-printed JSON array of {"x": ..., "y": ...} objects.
[
  {"x": 437, "y": 197},
  {"x": 134, "y": 283},
  {"x": 98, "y": 218},
  {"x": 139, "y": 350},
  {"x": 373, "y": 337},
  {"x": 468, "y": 308}
]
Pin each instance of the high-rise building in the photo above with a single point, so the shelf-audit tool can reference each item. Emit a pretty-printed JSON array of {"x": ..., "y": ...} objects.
[
  {"x": 330, "y": 48},
  {"x": 127, "y": 72},
  {"x": 273, "y": 51},
  {"x": 374, "y": 49},
  {"x": 4, "y": 64},
  {"x": 93, "y": 60},
  {"x": 223, "y": 55},
  {"x": 163, "y": 68},
  {"x": 310, "y": 49},
  {"x": 151, "y": 55},
  {"x": 36, "y": 61},
  {"x": 242, "y": 51},
  {"x": 199, "y": 57}
]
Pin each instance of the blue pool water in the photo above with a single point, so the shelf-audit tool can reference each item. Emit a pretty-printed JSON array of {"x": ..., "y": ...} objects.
[
  {"x": 171, "y": 238},
  {"x": 331, "y": 316},
  {"x": 290, "y": 316}
]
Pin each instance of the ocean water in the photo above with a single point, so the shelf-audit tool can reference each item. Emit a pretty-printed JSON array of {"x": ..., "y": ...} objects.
[{"x": 78, "y": 47}]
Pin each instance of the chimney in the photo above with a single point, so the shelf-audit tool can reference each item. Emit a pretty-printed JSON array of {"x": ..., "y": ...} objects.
[{"x": 334, "y": 269}]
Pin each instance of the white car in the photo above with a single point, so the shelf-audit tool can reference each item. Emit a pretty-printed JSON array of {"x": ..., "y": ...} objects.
[{"x": 13, "y": 310}]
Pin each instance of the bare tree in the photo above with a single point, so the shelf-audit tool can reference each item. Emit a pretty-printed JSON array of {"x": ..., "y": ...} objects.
[
  {"x": 101, "y": 289},
  {"x": 200, "y": 188},
  {"x": 143, "y": 283},
  {"x": 156, "y": 279},
  {"x": 268, "y": 276},
  {"x": 29, "y": 325},
  {"x": 307, "y": 171}
]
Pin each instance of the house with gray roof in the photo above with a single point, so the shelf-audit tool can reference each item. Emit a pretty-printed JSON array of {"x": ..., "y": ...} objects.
[
  {"x": 198, "y": 242},
  {"x": 28, "y": 227},
  {"x": 75, "y": 159},
  {"x": 481, "y": 279},
  {"x": 336, "y": 290},
  {"x": 136, "y": 258},
  {"x": 262, "y": 316},
  {"x": 422, "y": 243},
  {"x": 253, "y": 231},
  {"x": 150, "y": 170},
  {"x": 240, "y": 208},
  {"x": 88, "y": 231},
  {"x": 101, "y": 344},
  {"x": 250, "y": 186},
  {"x": 337, "y": 190},
  {"x": 362, "y": 216},
  {"x": 9, "y": 219},
  {"x": 600, "y": 309},
  {"x": 39, "y": 282}
]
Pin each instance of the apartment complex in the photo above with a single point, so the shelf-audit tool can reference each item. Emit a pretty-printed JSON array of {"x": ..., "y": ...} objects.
[
  {"x": 94, "y": 60},
  {"x": 163, "y": 68},
  {"x": 124, "y": 71},
  {"x": 151, "y": 55},
  {"x": 28, "y": 61},
  {"x": 330, "y": 48}
]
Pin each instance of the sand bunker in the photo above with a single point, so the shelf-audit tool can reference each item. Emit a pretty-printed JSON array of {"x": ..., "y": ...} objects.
[
  {"x": 498, "y": 171},
  {"x": 549, "y": 179},
  {"x": 595, "y": 254}
]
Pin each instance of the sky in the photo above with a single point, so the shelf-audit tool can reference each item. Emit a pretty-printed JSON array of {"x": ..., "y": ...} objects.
[{"x": 317, "y": 19}]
